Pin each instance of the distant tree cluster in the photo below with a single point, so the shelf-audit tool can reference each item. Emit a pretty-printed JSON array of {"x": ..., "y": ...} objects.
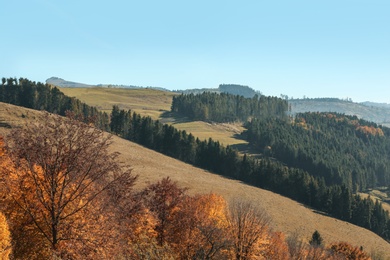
[
  {"x": 226, "y": 107},
  {"x": 240, "y": 90},
  {"x": 39, "y": 96}
]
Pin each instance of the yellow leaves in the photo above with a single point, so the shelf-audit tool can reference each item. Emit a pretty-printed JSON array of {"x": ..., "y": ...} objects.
[
  {"x": 276, "y": 247},
  {"x": 201, "y": 228},
  {"x": 212, "y": 207},
  {"x": 2, "y": 149},
  {"x": 301, "y": 122},
  {"x": 370, "y": 130},
  {"x": 248, "y": 227},
  {"x": 348, "y": 251},
  {"x": 5, "y": 239}
]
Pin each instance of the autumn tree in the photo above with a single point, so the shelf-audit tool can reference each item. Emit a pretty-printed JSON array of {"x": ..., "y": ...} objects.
[
  {"x": 347, "y": 251},
  {"x": 248, "y": 225},
  {"x": 56, "y": 174},
  {"x": 296, "y": 246},
  {"x": 277, "y": 247},
  {"x": 164, "y": 199},
  {"x": 202, "y": 228}
]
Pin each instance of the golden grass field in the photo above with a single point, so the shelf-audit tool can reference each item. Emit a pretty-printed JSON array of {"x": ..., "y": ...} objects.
[
  {"x": 147, "y": 102},
  {"x": 153, "y": 103},
  {"x": 287, "y": 215}
]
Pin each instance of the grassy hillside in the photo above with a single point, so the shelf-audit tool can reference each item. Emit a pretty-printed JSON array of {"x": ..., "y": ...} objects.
[
  {"x": 156, "y": 104},
  {"x": 287, "y": 216},
  {"x": 148, "y": 102}
]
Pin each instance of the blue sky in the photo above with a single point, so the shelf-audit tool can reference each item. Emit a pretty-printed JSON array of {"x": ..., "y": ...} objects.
[{"x": 297, "y": 48}]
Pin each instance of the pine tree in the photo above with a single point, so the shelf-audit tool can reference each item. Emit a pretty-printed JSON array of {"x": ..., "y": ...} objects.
[{"x": 316, "y": 239}]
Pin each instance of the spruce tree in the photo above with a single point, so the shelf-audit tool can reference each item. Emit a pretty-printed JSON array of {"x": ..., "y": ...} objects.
[{"x": 316, "y": 239}]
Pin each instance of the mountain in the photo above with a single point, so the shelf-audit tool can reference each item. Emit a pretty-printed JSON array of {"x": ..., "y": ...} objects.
[
  {"x": 287, "y": 215},
  {"x": 370, "y": 111},
  {"x": 373, "y": 104},
  {"x": 64, "y": 83},
  {"x": 55, "y": 81}
]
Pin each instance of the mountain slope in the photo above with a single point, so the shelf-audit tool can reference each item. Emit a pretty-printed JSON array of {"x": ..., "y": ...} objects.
[
  {"x": 370, "y": 111},
  {"x": 287, "y": 216},
  {"x": 64, "y": 83}
]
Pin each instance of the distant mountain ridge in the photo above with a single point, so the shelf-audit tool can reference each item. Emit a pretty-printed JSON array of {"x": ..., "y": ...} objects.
[
  {"x": 66, "y": 84},
  {"x": 59, "y": 82},
  {"x": 370, "y": 111}
]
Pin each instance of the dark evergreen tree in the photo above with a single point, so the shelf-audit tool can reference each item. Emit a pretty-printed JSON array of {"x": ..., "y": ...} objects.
[{"x": 316, "y": 239}]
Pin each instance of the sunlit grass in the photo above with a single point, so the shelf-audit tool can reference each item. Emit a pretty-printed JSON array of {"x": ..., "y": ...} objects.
[
  {"x": 153, "y": 103},
  {"x": 224, "y": 133},
  {"x": 147, "y": 102}
]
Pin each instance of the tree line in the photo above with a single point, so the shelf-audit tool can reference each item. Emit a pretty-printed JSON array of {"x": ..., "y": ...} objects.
[
  {"x": 39, "y": 96},
  {"x": 225, "y": 107}
]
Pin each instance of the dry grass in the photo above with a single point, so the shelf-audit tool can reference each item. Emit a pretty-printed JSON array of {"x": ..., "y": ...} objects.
[
  {"x": 287, "y": 215},
  {"x": 224, "y": 133},
  {"x": 377, "y": 195},
  {"x": 147, "y": 102},
  {"x": 153, "y": 103}
]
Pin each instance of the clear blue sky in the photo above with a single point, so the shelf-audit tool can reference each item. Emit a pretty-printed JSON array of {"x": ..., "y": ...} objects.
[{"x": 316, "y": 48}]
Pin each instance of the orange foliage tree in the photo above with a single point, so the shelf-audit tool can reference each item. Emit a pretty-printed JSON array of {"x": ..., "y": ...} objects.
[
  {"x": 276, "y": 248},
  {"x": 202, "y": 226},
  {"x": 248, "y": 226},
  {"x": 185, "y": 227},
  {"x": 53, "y": 181},
  {"x": 347, "y": 251},
  {"x": 164, "y": 200}
]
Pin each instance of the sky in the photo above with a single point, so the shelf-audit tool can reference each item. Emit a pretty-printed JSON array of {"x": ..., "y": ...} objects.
[{"x": 313, "y": 48}]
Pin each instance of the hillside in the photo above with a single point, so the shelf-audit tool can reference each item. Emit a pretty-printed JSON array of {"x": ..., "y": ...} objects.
[
  {"x": 287, "y": 216},
  {"x": 370, "y": 111},
  {"x": 156, "y": 104},
  {"x": 147, "y": 102}
]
